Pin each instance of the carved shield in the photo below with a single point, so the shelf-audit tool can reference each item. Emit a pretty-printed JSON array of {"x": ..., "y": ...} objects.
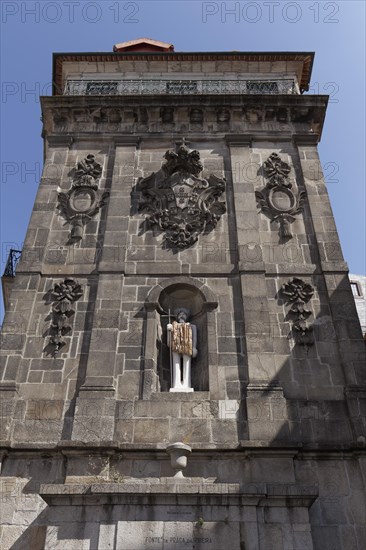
[{"x": 182, "y": 188}]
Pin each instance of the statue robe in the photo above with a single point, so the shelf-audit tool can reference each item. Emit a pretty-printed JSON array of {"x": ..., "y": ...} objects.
[{"x": 182, "y": 338}]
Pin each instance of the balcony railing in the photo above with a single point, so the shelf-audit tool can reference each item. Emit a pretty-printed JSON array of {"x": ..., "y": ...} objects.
[
  {"x": 179, "y": 87},
  {"x": 13, "y": 259}
]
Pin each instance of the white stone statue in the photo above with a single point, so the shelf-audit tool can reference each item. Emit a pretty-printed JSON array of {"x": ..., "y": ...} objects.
[{"x": 182, "y": 341}]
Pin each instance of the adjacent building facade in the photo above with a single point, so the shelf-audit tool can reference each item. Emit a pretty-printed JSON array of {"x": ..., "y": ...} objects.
[
  {"x": 358, "y": 286},
  {"x": 182, "y": 182}
]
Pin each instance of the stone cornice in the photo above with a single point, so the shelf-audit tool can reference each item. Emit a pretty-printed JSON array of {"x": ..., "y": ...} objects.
[
  {"x": 159, "y": 100},
  {"x": 257, "y": 116}
]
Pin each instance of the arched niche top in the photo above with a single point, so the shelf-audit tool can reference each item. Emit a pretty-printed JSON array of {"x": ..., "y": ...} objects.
[{"x": 181, "y": 291}]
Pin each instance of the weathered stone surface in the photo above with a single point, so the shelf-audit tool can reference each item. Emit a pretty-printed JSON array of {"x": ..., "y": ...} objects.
[{"x": 266, "y": 412}]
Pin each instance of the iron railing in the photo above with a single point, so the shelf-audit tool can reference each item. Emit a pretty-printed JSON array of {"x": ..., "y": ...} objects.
[
  {"x": 11, "y": 264},
  {"x": 181, "y": 87}
]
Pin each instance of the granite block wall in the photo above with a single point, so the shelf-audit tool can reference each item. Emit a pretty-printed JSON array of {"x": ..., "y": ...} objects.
[{"x": 265, "y": 409}]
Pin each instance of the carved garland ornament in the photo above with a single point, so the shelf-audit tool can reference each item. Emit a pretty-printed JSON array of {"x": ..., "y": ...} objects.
[
  {"x": 298, "y": 293},
  {"x": 64, "y": 295},
  {"x": 277, "y": 199},
  {"x": 83, "y": 200},
  {"x": 180, "y": 203}
]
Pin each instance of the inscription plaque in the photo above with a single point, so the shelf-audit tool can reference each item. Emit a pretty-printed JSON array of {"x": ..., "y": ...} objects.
[{"x": 177, "y": 535}]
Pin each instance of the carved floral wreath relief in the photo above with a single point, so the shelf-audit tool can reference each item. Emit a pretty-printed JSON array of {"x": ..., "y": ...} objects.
[
  {"x": 297, "y": 294},
  {"x": 64, "y": 294},
  {"x": 277, "y": 199}
]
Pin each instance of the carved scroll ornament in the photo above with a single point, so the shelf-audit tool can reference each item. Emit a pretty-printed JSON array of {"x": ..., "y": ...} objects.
[
  {"x": 298, "y": 293},
  {"x": 64, "y": 295},
  {"x": 277, "y": 200},
  {"x": 180, "y": 203},
  {"x": 83, "y": 200}
]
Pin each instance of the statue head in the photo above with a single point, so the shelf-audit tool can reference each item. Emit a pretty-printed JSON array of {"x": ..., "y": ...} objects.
[{"x": 182, "y": 314}]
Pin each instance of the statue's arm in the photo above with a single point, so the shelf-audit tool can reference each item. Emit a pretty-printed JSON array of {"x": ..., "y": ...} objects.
[{"x": 194, "y": 340}]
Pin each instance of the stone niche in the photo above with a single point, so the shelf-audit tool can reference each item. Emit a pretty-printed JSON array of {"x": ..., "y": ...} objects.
[
  {"x": 160, "y": 305},
  {"x": 183, "y": 295}
]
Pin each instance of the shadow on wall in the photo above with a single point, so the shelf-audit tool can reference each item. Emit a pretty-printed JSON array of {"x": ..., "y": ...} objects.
[{"x": 311, "y": 412}]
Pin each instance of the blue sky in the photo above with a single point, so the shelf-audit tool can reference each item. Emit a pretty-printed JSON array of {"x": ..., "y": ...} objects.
[{"x": 33, "y": 30}]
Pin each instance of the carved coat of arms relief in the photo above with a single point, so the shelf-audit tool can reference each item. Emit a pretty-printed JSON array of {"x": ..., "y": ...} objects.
[{"x": 179, "y": 202}]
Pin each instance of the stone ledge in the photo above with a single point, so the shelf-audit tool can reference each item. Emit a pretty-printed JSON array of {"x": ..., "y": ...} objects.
[
  {"x": 9, "y": 387},
  {"x": 264, "y": 443},
  {"x": 334, "y": 267},
  {"x": 94, "y": 391},
  {"x": 65, "y": 140},
  {"x": 270, "y": 448},
  {"x": 355, "y": 392},
  {"x": 168, "y": 491},
  {"x": 205, "y": 269},
  {"x": 290, "y": 269},
  {"x": 181, "y": 396},
  {"x": 59, "y": 270},
  {"x": 239, "y": 140},
  {"x": 305, "y": 139},
  {"x": 258, "y": 390}
]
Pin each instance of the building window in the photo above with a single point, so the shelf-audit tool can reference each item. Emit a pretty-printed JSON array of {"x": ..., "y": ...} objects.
[{"x": 355, "y": 289}]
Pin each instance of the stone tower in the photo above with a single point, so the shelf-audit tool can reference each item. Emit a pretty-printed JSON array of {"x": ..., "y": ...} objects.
[{"x": 182, "y": 182}]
